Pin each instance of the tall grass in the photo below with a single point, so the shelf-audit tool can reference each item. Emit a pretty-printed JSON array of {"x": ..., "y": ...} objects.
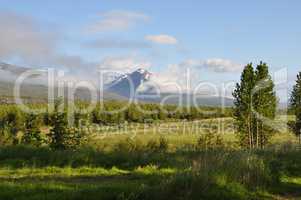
[{"x": 135, "y": 170}]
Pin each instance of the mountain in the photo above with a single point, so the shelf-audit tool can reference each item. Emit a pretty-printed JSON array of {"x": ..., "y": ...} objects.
[
  {"x": 13, "y": 69},
  {"x": 39, "y": 93},
  {"x": 118, "y": 89},
  {"x": 32, "y": 89},
  {"x": 9, "y": 73},
  {"x": 127, "y": 84}
]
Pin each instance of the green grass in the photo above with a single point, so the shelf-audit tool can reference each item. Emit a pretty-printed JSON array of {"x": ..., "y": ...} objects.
[
  {"x": 136, "y": 166},
  {"x": 179, "y": 134},
  {"x": 86, "y": 172},
  {"x": 78, "y": 183},
  {"x": 182, "y": 174}
]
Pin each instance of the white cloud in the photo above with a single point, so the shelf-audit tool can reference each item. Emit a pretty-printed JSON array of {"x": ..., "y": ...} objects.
[
  {"x": 222, "y": 65},
  {"x": 162, "y": 39},
  {"x": 117, "y": 20},
  {"x": 123, "y": 63},
  {"x": 22, "y": 37},
  {"x": 216, "y": 64},
  {"x": 189, "y": 72}
]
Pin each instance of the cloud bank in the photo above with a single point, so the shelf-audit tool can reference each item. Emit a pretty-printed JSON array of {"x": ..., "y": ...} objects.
[
  {"x": 123, "y": 63},
  {"x": 24, "y": 39},
  {"x": 21, "y": 37},
  {"x": 190, "y": 72},
  {"x": 218, "y": 65}
]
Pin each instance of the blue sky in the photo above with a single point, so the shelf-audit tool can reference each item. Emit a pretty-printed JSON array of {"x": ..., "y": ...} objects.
[{"x": 213, "y": 35}]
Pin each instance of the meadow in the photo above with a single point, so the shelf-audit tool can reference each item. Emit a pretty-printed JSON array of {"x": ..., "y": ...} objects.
[{"x": 164, "y": 160}]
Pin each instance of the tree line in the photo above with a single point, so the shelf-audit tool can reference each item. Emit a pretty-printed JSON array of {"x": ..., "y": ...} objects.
[
  {"x": 254, "y": 110},
  {"x": 61, "y": 135}
]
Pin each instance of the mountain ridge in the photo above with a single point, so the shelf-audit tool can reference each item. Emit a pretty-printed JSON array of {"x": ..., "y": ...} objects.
[{"x": 118, "y": 89}]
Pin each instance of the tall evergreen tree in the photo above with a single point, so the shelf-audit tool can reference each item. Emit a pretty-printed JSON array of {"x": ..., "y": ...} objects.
[
  {"x": 295, "y": 106},
  {"x": 264, "y": 105},
  {"x": 255, "y": 102},
  {"x": 61, "y": 135},
  {"x": 243, "y": 106},
  {"x": 59, "y": 123}
]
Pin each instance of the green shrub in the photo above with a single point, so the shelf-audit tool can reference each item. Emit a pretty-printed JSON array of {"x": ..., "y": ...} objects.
[
  {"x": 209, "y": 141},
  {"x": 32, "y": 133}
]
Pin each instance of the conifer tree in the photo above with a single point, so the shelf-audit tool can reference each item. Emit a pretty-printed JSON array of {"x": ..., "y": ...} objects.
[
  {"x": 295, "y": 106},
  {"x": 59, "y": 124},
  {"x": 243, "y": 106},
  {"x": 264, "y": 105},
  {"x": 255, "y": 102},
  {"x": 61, "y": 135}
]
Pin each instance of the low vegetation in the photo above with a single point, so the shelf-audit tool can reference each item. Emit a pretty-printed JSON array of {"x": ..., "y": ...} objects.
[
  {"x": 152, "y": 171},
  {"x": 166, "y": 153}
]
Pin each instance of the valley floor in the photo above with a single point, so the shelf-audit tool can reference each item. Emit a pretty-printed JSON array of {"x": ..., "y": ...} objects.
[
  {"x": 142, "y": 165},
  {"x": 197, "y": 174}
]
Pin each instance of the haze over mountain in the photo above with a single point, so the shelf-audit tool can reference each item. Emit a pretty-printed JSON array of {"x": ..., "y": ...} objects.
[{"x": 123, "y": 87}]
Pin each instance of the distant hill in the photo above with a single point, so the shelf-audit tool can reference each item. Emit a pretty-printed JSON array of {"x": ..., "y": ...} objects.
[
  {"x": 188, "y": 99},
  {"x": 39, "y": 93},
  {"x": 13, "y": 69},
  {"x": 118, "y": 89}
]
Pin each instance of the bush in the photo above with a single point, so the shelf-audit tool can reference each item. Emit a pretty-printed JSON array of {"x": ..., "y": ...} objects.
[
  {"x": 218, "y": 174},
  {"x": 209, "y": 141},
  {"x": 32, "y": 133},
  {"x": 157, "y": 146}
]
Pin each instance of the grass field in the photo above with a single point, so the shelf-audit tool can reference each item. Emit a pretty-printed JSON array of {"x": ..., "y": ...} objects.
[{"x": 154, "y": 161}]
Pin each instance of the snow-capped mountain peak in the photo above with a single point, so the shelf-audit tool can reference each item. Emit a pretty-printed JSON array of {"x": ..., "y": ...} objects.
[{"x": 127, "y": 84}]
